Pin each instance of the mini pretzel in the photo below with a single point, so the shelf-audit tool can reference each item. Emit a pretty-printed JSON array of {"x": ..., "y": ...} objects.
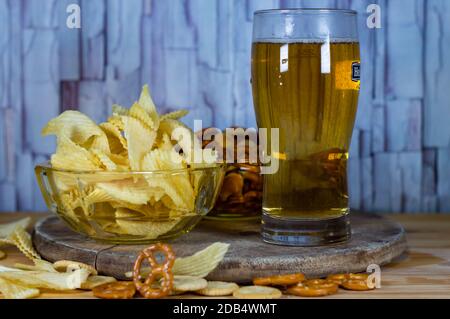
[
  {"x": 115, "y": 290},
  {"x": 338, "y": 278},
  {"x": 164, "y": 271},
  {"x": 356, "y": 282},
  {"x": 314, "y": 288},
  {"x": 279, "y": 280}
]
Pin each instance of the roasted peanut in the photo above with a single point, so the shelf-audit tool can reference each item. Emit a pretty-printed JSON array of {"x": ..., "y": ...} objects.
[{"x": 233, "y": 184}]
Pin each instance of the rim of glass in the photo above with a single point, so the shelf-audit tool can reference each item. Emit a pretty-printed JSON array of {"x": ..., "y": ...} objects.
[
  {"x": 305, "y": 10},
  {"x": 48, "y": 166}
]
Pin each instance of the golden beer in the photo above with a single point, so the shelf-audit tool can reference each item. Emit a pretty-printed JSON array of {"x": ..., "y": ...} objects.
[{"x": 309, "y": 90}]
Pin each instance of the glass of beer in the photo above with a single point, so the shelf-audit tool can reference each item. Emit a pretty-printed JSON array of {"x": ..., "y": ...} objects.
[{"x": 305, "y": 80}]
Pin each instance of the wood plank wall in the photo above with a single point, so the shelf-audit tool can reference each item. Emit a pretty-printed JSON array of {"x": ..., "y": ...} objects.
[{"x": 195, "y": 54}]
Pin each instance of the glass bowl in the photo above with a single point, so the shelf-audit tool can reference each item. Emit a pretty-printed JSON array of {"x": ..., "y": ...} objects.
[{"x": 131, "y": 207}]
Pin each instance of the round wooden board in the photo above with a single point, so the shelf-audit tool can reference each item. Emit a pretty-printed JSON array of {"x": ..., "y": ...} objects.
[{"x": 375, "y": 240}]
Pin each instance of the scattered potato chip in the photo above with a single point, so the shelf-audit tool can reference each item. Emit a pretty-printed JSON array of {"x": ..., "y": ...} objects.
[
  {"x": 8, "y": 269},
  {"x": 48, "y": 280},
  {"x": 188, "y": 283},
  {"x": 5, "y": 242},
  {"x": 21, "y": 266},
  {"x": 201, "y": 263},
  {"x": 2, "y": 254},
  {"x": 71, "y": 266},
  {"x": 39, "y": 265},
  {"x": 8, "y": 229},
  {"x": 257, "y": 292},
  {"x": 22, "y": 240},
  {"x": 95, "y": 281},
  {"x": 218, "y": 289},
  {"x": 11, "y": 290}
]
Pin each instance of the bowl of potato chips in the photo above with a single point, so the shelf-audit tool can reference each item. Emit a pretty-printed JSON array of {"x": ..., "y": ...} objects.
[{"x": 139, "y": 177}]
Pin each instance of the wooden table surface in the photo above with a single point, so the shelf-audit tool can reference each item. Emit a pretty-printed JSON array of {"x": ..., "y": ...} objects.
[{"x": 422, "y": 273}]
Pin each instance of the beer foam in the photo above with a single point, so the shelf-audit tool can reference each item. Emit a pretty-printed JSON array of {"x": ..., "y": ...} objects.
[{"x": 305, "y": 41}]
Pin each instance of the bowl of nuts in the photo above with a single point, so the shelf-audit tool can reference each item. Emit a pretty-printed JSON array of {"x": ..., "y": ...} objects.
[{"x": 240, "y": 196}]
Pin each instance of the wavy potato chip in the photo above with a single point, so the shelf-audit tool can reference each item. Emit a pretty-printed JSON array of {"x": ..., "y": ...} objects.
[
  {"x": 136, "y": 111},
  {"x": 140, "y": 141},
  {"x": 156, "y": 211},
  {"x": 71, "y": 199},
  {"x": 117, "y": 121},
  {"x": 22, "y": 240},
  {"x": 78, "y": 127},
  {"x": 11, "y": 290},
  {"x": 127, "y": 190},
  {"x": 121, "y": 160},
  {"x": 177, "y": 186},
  {"x": 106, "y": 162},
  {"x": 4, "y": 241},
  {"x": 117, "y": 143},
  {"x": 151, "y": 229},
  {"x": 145, "y": 100},
  {"x": 99, "y": 143},
  {"x": 119, "y": 110},
  {"x": 97, "y": 195},
  {"x": 70, "y": 155},
  {"x": 176, "y": 115},
  {"x": 164, "y": 143},
  {"x": 8, "y": 229},
  {"x": 2, "y": 254},
  {"x": 199, "y": 264},
  {"x": 39, "y": 265},
  {"x": 48, "y": 280},
  {"x": 63, "y": 181},
  {"x": 8, "y": 269}
]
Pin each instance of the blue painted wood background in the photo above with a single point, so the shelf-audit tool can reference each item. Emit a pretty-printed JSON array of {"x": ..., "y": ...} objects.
[{"x": 195, "y": 54}]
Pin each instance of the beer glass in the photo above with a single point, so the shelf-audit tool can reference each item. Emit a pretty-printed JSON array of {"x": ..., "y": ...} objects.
[{"x": 305, "y": 80}]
